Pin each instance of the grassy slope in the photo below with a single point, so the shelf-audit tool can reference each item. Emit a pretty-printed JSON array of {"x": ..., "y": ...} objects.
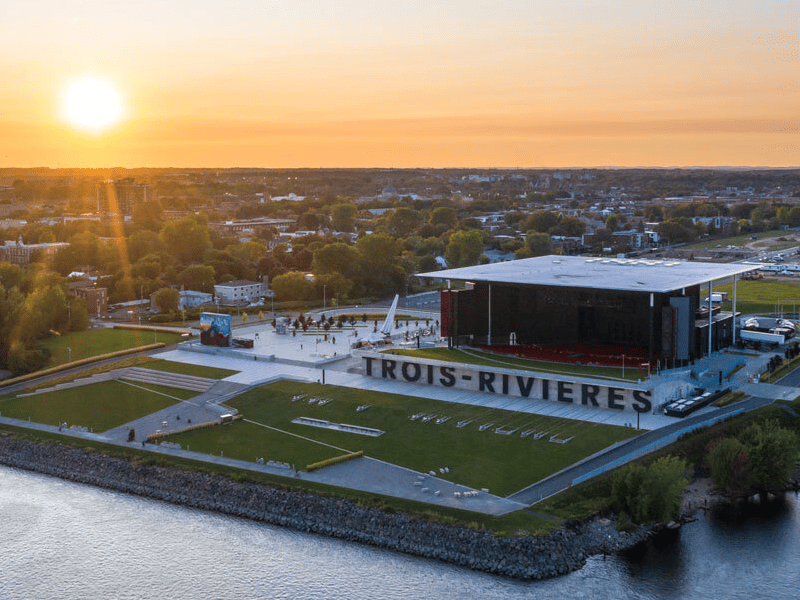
[
  {"x": 503, "y": 464},
  {"x": 188, "y": 369},
  {"x": 94, "y": 342},
  {"x": 100, "y": 406}
]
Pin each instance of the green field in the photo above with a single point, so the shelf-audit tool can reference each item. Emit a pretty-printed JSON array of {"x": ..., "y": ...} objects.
[
  {"x": 94, "y": 342},
  {"x": 761, "y": 296},
  {"x": 741, "y": 240},
  {"x": 498, "y": 360},
  {"x": 99, "y": 406},
  {"x": 169, "y": 366},
  {"x": 502, "y": 463}
]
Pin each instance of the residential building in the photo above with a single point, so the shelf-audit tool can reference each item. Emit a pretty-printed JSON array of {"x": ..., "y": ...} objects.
[
  {"x": 239, "y": 292},
  {"x": 96, "y": 298}
]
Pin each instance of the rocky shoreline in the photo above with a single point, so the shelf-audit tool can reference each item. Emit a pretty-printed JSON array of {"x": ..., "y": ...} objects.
[{"x": 520, "y": 557}]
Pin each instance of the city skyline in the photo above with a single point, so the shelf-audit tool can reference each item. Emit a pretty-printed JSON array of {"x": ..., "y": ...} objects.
[{"x": 445, "y": 84}]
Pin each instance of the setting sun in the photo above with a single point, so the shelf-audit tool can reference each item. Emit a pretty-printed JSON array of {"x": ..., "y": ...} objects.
[{"x": 92, "y": 103}]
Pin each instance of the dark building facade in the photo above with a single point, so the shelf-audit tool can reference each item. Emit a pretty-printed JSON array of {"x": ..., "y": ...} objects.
[{"x": 670, "y": 325}]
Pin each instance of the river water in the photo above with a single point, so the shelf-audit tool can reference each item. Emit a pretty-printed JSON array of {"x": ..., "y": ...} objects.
[{"x": 64, "y": 540}]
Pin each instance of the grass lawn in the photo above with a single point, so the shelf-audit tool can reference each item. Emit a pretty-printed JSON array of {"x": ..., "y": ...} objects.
[
  {"x": 760, "y": 296},
  {"x": 502, "y": 463},
  {"x": 93, "y": 342},
  {"x": 739, "y": 240},
  {"x": 100, "y": 406},
  {"x": 169, "y": 366},
  {"x": 498, "y": 360}
]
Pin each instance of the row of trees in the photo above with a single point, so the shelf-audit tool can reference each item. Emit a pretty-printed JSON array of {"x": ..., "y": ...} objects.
[{"x": 34, "y": 303}]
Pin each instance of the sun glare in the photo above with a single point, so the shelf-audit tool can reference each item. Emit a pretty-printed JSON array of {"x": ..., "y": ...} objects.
[{"x": 93, "y": 103}]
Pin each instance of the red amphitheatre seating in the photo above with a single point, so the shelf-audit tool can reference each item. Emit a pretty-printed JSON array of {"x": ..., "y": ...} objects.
[{"x": 598, "y": 354}]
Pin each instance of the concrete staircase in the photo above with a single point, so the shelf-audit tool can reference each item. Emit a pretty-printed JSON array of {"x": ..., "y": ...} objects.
[
  {"x": 176, "y": 380},
  {"x": 223, "y": 390}
]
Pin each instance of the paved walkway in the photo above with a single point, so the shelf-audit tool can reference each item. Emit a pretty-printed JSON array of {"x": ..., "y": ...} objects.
[
  {"x": 257, "y": 373},
  {"x": 365, "y": 474},
  {"x": 627, "y": 451}
]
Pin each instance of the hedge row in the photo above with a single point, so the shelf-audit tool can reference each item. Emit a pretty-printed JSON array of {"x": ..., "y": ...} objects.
[
  {"x": 154, "y": 437},
  {"x": 334, "y": 461},
  {"x": 151, "y": 328},
  {"x": 79, "y": 363}
]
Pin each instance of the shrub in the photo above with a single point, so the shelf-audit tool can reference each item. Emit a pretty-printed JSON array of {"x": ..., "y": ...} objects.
[{"x": 333, "y": 461}]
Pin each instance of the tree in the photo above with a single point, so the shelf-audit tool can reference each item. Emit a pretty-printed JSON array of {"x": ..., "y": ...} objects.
[
  {"x": 147, "y": 215},
  {"x": 292, "y": 286},
  {"x": 84, "y": 249},
  {"x": 794, "y": 216},
  {"x": 662, "y": 487},
  {"x": 404, "y": 221},
  {"x": 248, "y": 252},
  {"x": 335, "y": 258},
  {"x": 651, "y": 493},
  {"x": 309, "y": 221},
  {"x": 542, "y": 221},
  {"x": 464, "y": 249},
  {"x": 142, "y": 243},
  {"x": 10, "y": 275},
  {"x": 333, "y": 284},
  {"x": 570, "y": 226},
  {"x": 653, "y": 213},
  {"x": 773, "y": 452},
  {"x": 538, "y": 243},
  {"x": 427, "y": 263},
  {"x": 200, "y": 278},
  {"x": 166, "y": 299},
  {"x": 187, "y": 239},
  {"x": 379, "y": 257},
  {"x": 343, "y": 217},
  {"x": 680, "y": 230},
  {"x": 78, "y": 315},
  {"x": 612, "y": 222},
  {"x": 148, "y": 267},
  {"x": 729, "y": 461},
  {"x": 444, "y": 215}
]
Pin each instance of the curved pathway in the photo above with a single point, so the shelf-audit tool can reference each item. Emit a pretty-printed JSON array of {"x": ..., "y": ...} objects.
[{"x": 629, "y": 450}]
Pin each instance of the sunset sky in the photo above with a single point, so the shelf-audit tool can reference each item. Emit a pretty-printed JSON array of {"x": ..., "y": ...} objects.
[{"x": 324, "y": 83}]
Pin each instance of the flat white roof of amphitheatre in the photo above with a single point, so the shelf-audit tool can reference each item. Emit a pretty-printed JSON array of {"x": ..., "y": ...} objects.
[{"x": 623, "y": 274}]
